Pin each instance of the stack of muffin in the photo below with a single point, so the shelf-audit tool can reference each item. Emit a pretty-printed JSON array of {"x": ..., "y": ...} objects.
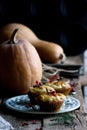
[{"x": 50, "y": 96}]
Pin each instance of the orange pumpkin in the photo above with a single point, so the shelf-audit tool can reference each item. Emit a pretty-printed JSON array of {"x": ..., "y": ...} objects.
[
  {"x": 49, "y": 52},
  {"x": 20, "y": 65}
]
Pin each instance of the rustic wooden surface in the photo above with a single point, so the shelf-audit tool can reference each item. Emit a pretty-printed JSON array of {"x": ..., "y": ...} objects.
[
  {"x": 38, "y": 122},
  {"x": 22, "y": 121}
]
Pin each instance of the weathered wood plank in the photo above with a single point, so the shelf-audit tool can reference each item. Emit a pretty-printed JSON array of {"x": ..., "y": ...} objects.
[
  {"x": 78, "y": 123},
  {"x": 33, "y": 122}
]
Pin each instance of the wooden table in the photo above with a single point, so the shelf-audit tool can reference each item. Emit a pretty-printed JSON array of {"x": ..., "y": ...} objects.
[
  {"x": 38, "y": 122},
  {"x": 74, "y": 120}
]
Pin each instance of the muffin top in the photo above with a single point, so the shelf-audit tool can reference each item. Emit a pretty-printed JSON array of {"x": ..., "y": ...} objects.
[
  {"x": 59, "y": 84},
  {"x": 51, "y": 97},
  {"x": 41, "y": 89}
]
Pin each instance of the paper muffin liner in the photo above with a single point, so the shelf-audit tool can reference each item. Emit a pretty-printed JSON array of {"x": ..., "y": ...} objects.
[{"x": 50, "y": 106}]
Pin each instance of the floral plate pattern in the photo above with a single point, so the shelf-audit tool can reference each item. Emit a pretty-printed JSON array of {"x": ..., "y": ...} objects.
[{"x": 22, "y": 104}]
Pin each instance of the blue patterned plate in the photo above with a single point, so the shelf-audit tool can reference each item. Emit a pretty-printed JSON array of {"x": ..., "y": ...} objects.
[{"x": 22, "y": 104}]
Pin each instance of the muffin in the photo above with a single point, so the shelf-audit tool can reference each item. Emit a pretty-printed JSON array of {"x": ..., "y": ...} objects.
[
  {"x": 37, "y": 90},
  {"x": 50, "y": 102},
  {"x": 60, "y": 86}
]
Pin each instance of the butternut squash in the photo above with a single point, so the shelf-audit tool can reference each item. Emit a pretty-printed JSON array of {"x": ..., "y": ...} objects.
[{"x": 49, "y": 52}]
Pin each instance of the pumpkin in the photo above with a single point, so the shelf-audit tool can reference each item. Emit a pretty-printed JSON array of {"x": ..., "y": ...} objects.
[
  {"x": 20, "y": 65},
  {"x": 49, "y": 52}
]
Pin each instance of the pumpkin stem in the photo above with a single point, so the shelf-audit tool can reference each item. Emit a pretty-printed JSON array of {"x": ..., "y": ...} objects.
[{"x": 12, "y": 36}]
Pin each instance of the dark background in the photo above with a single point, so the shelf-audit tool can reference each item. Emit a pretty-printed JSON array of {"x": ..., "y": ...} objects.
[{"x": 61, "y": 21}]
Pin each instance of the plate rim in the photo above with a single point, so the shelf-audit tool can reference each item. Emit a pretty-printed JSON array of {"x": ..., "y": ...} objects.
[{"x": 39, "y": 112}]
